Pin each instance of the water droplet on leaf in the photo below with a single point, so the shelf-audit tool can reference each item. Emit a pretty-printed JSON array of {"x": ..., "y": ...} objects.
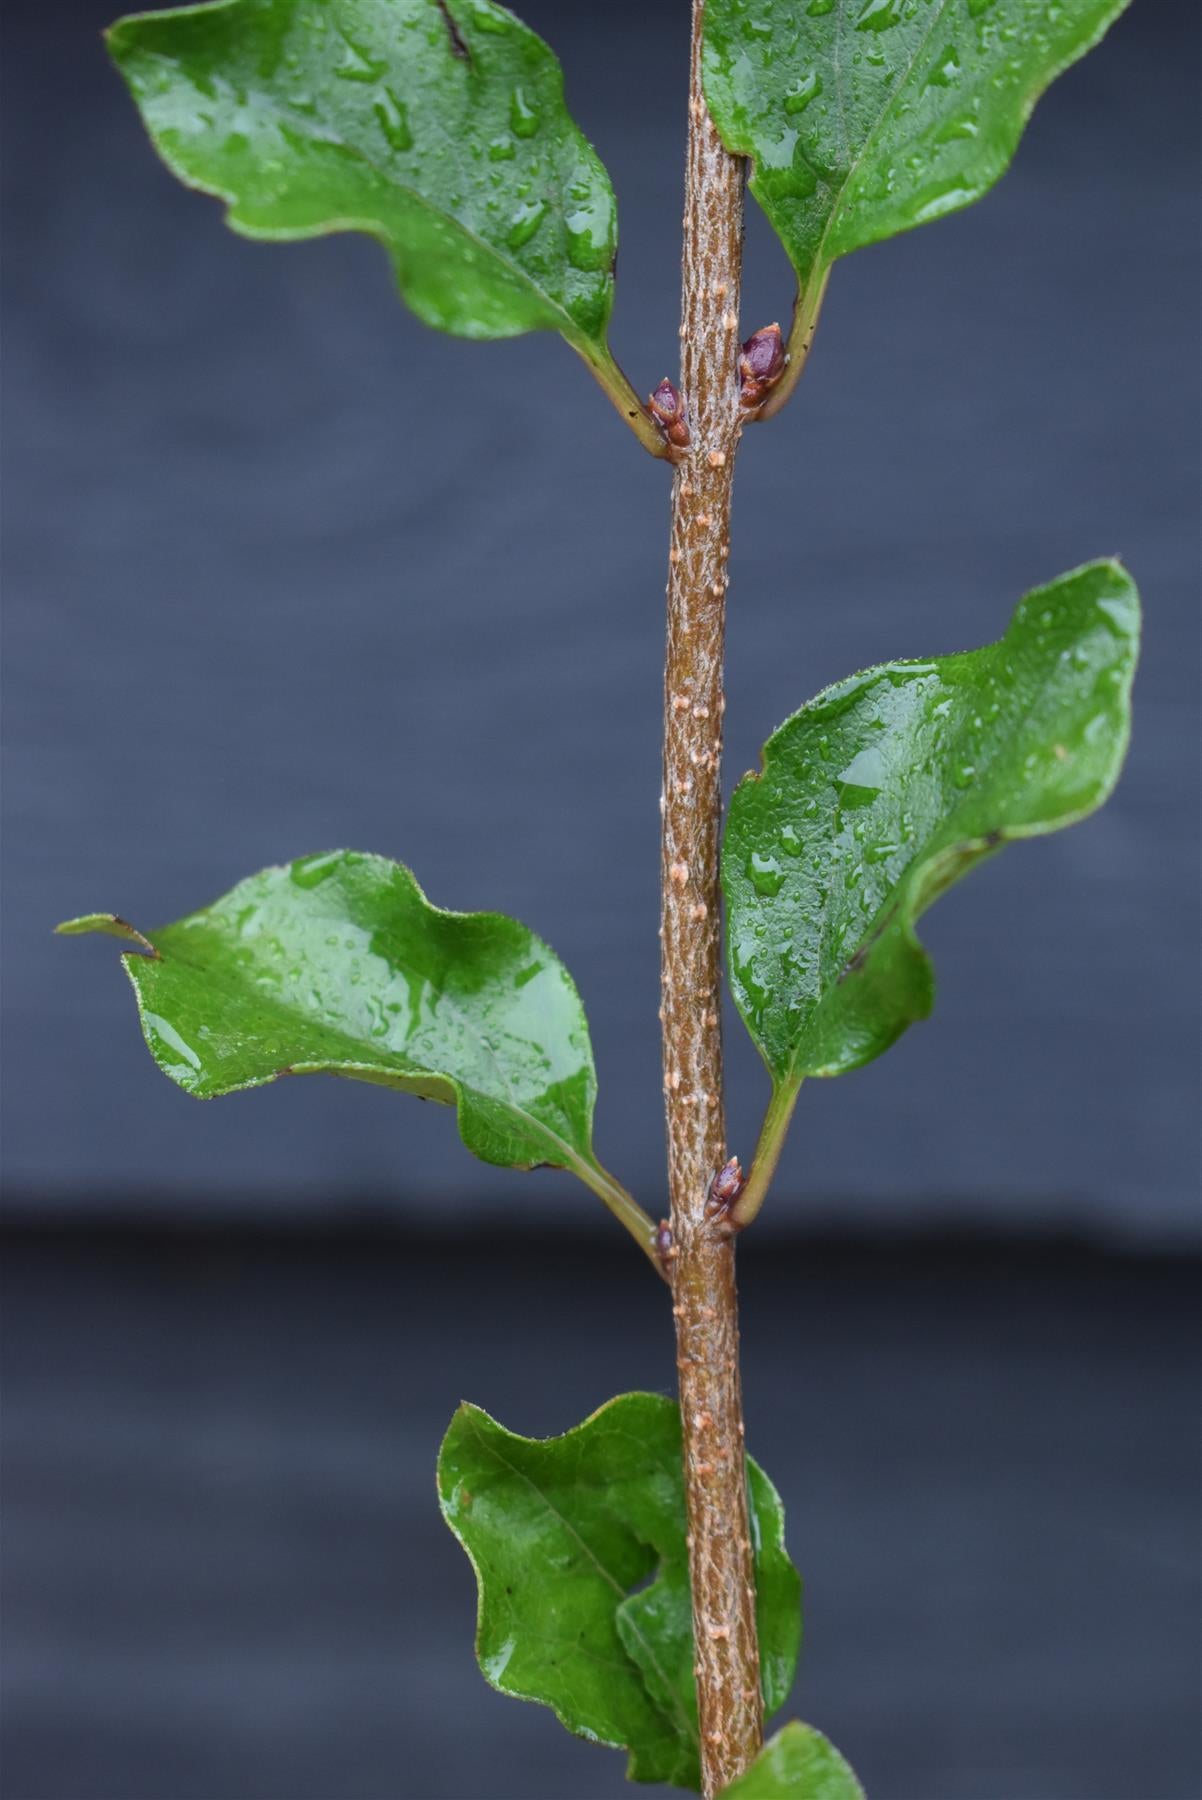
[
  {"x": 765, "y": 874},
  {"x": 311, "y": 871},
  {"x": 526, "y": 221},
  {"x": 392, "y": 116},
  {"x": 863, "y": 778},
  {"x": 523, "y": 118}
]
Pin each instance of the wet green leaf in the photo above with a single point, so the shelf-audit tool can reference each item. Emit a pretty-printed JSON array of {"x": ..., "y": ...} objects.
[
  {"x": 890, "y": 786},
  {"x": 563, "y": 1533},
  {"x": 338, "y": 964},
  {"x": 867, "y": 117},
  {"x": 436, "y": 126},
  {"x": 797, "y": 1764}
]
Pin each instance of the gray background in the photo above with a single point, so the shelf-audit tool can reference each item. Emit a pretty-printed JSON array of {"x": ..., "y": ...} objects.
[{"x": 285, "y": 571}]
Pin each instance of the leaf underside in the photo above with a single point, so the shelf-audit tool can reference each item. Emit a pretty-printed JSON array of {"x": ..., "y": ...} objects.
[
  {"x": 436, "y": 126},
  {"x": 338, "y": 964},
  {"x": 797, "y": 1764},
  {"x": 867, "y": 117},
  {"x": 561, "y": 1533},
  {"x": 890, "y": 786}
]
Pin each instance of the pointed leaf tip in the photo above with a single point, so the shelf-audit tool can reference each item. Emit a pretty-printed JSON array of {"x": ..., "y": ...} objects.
[
  {"x": 112, "y": 924},
  {"x": 338, "y": 964}
]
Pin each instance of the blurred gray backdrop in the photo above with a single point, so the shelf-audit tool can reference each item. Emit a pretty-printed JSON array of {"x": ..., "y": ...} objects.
[{"x": 286, "y": 571}]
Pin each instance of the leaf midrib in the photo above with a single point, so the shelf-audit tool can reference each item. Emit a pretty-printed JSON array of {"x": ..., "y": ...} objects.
[
  {"x": 817, "y": 264},
  {"x": 683, "y": 1723}
]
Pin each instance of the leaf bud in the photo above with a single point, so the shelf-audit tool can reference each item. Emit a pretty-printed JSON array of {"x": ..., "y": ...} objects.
[
  {"x": 667, "y": 409},
  {"x": 725, "y": 1189},
  {"x": 761, "y": 364}
]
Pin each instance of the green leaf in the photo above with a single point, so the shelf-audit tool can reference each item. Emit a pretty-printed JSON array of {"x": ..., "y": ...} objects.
[
  {"x": 797, "y": 1764},
  {"x": 867, "y": 117},
  {"x": 890, "y": 786},
  {"x": 338, "y": 964},
  {"x": 561, "y": 1533},
  {"x": 436, "y": 126}
]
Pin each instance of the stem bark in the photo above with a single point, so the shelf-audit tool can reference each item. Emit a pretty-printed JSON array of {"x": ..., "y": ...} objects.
[{"x": 702, "y": 1256}]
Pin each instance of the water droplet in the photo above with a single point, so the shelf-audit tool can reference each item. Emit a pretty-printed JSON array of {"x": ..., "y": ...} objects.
[
  {"x": 168, "y": 1039},
  {"x": 863, "y": 778},
  {"x": 790, "y": 843},
  {"x": 590, "y": 241},
  {"x": 943, "y": 200},
  {"x": 765, "y": 874},
  {"x": 817, "y": 8},
  {"x": 901, "y": 674},
  {"x": 746, "y": 974},
  {"x": 358, "y": 63},
  {"x": 393, "y": 119},
  {"x": 486, "y": 18},
  {"x": 525, "y": 222},
  {"x": 501, "y": 150},
  {"x": 878, "y": 15},
  {"x": 523, "y": 118},
  {"x": 802, "y": 92},
  {"x": 946, "y": 70},
  {"x": 311, "y": 871},
  {"x": 964, "y": 775},
  {"x": 965, "y": 126},
  {"x": 1119, "y": 614}
]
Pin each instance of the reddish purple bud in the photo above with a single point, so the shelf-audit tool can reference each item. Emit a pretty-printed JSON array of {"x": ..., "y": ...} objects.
[
  {"x": 725, "y": 1189},
  {"x": 664, "y": 1248},
  {"x": 666, "y": 409},
  {"x": 665, "y": 402},
  {"x": 761, "y": 364}
]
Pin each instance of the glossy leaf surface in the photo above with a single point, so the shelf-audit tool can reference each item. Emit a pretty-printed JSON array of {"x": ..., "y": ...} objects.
[
  {"x": 338, "y": 964},
  {"x": 437, "y": 126},
  {"x": 797, "y": 1764},
  {"x": 867, "y": 117},
  {"x": 890, "y": 786},
  {"x": 561, "y": 1532}
]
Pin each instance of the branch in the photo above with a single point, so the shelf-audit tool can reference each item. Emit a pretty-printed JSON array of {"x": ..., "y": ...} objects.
[{"x": 701, "y": 1254}]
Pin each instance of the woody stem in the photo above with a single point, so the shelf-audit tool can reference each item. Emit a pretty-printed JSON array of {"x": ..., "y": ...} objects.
[{"x": 703, "y": 1259}]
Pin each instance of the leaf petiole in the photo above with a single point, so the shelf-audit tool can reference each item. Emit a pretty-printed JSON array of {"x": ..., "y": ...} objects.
[
  {"x": 599, "y": 359},
  {"x": 624, "y": 1207},
  {"x": 772, "y": 1137},
  {"x": 806, "y": 309}
]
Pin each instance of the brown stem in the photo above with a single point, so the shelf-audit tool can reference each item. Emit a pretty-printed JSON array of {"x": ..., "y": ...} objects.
[{"x": 702, "y": 1257}]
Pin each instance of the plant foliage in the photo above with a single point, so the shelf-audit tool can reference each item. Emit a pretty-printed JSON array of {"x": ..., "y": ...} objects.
[
  {"x": 890, "y": 786},
  {"x": 337, "y": 964},
  {"x": 438, "y": 128},
  {"x": 563, "y": 1532},
  {"x": 865, "y": 118},
  {"x": 797, "y": 1764}
]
